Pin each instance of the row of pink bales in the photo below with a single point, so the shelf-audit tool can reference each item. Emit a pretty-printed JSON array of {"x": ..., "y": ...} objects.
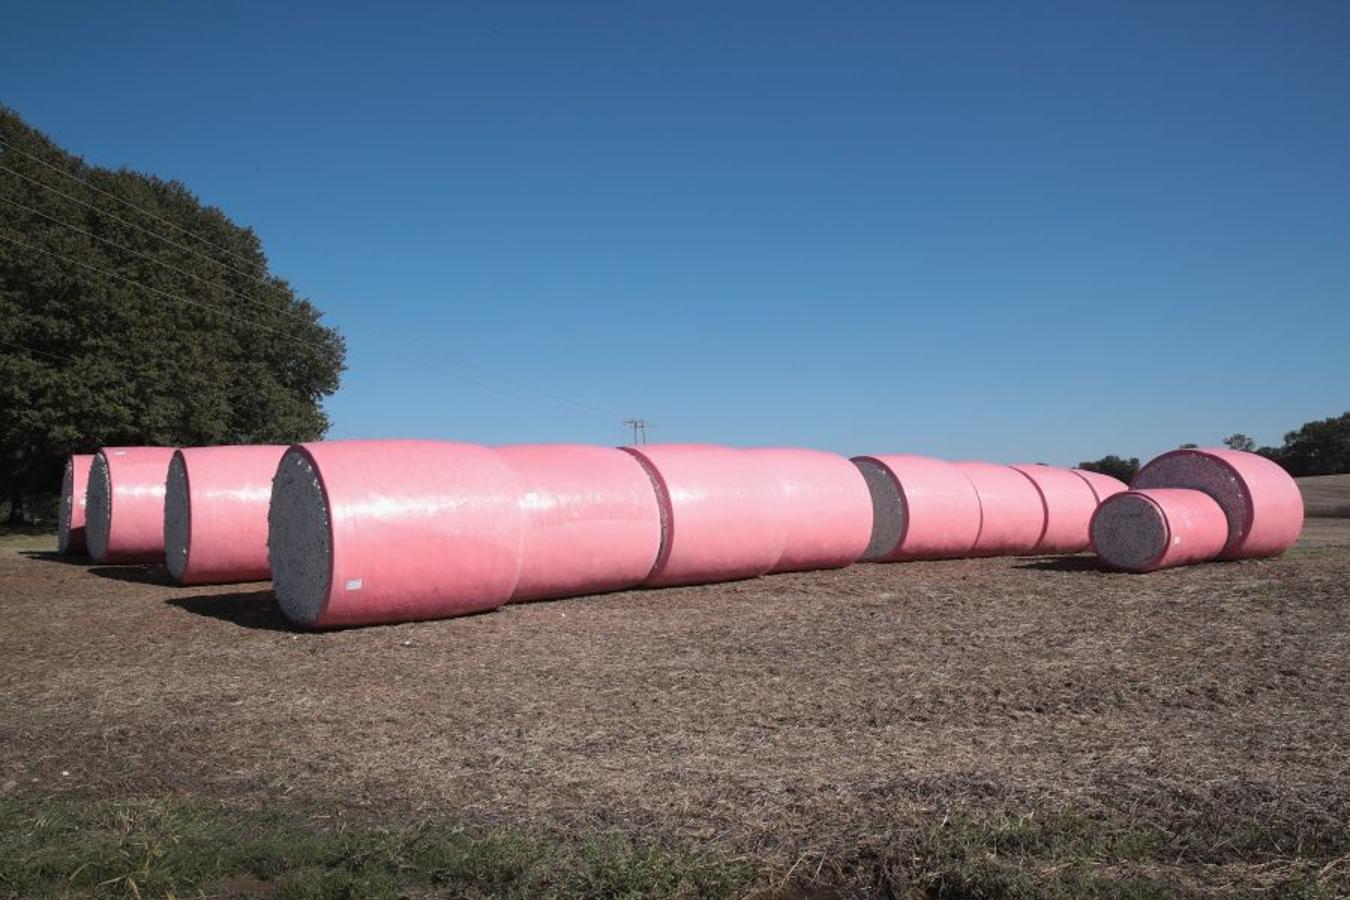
[{"x": 430, "y": 529}]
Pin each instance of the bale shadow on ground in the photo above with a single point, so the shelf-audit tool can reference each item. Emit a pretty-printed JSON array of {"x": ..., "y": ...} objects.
[
  {"x": 136, "y": 574},
  {"x": 53, "y": 556},
  {"x": 247, "y": 609},
  {"x": 1063, "y": 564}
]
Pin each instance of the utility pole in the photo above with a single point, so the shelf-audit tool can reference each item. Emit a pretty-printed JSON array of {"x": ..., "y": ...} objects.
[{"x": 639, "y": 427}]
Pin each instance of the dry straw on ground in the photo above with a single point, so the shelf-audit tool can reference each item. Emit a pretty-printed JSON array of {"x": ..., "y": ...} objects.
[{"x": 815, "y": 723}]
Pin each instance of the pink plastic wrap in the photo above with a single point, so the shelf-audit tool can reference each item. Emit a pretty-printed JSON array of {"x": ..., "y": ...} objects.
[
  {"x": 365, "y": 532},
  {"x": 923, "y": 508},
  {"x": 1103, "y": 486},
  {"x": 1069, "y": 503},
  {"x": 215, "y": 513},
  {"x": 1012, "y": 516},
  {"x": 826, "y": 506},
  {"x": 70, "y": 526},
  {"x": 721, "y": 513},
  {"x": 124, "y": 506},
  {"x": 591, "y": 520},
  {"x": 1260, "y": 499},
  {"x": 1141, "y": 531}
]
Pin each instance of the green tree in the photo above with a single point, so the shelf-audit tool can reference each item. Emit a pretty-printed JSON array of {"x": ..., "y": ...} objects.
[
  {"x": 1115, "y": 466},
  {"x": 156, "y": 322},
  {"x": 1240, "y": 441},
  {"x": 1317, "y": 448}
]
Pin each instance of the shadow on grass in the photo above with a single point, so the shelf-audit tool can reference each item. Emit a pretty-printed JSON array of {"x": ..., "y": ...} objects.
[
  {"x": 1064, "y": 564},
  {"x": 247, "y": 609}
]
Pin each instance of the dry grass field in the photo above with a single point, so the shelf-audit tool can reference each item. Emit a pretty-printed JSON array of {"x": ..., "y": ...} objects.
[
  {"x": 1326, "y": 495},
  {"x": 976, "y": 728}
]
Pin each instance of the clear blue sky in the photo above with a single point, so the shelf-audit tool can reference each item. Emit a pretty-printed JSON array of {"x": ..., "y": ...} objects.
[{"x": 1027, "y": 231}]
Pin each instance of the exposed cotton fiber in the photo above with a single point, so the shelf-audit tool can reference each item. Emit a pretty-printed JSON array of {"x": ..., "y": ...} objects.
[
  {"x": 215, "y": 513},
  {"x": 826, "y": 507},
  {"x": 591, "y": 520},
  {"x": 1260, "y": 500},
  {"x": 1141, "y": 531},
  {"x": 299, "y": 539},
  {"x": 366, "y": 532},
  {"x": 1012, "y": 516},
  {"x": 124, "y": 507},
  {"x": 177, "y": 518},
  {"x": 98, "y": 508},
  {"x": 722, "y": 513},
  {"x": 70, "y": 533},
  {"x": 922, "y": 508}
]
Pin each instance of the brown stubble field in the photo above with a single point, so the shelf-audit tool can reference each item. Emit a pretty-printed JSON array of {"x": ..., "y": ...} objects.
[{"x": 820, "y": 728}]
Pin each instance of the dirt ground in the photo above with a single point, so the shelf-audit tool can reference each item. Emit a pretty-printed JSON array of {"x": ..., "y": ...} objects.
[{"x": 804, "y": 721}]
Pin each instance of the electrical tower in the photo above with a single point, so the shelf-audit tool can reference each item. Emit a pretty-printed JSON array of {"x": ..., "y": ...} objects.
[{"x": 639, "y": 427}]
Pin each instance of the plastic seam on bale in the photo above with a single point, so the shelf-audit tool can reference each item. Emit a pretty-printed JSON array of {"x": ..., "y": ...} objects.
[
  {"x": 663, "y": 502},
  {"x": 1045, "y": 506}
]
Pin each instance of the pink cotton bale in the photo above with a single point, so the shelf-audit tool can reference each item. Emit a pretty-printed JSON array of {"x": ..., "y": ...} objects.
[
  {"x": 1102, "y": 486},
  {"x": 1012, "y": 516},
  {"x": 124, "y": 504},
  {"x": 373, "y": 532},
  {"x": 1262, "y": 502},
  {"x": 1141, "y": 531},
  {"x": 70, "y": 530},
  {"x": 1069, "y": 503},
  {"x": 826, "y": 507},
  {"x": 590, "y": 517},
  {"x": 215, "y": 513},
  {"x": 922, "y": 508},
  {"x": 720, "y": 513}
]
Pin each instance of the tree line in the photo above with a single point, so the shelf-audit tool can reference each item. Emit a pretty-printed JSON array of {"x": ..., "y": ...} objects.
[
  {"x": 132, "y": 313},
  {"x": 1321, "y": 447}
]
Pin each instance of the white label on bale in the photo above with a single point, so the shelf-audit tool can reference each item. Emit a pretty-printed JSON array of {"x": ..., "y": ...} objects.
[{"x": 353, "y": 584}]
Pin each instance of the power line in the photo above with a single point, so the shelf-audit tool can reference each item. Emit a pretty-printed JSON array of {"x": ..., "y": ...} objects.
[
  {"x": 500, "y": 388},
  {"x": 73, "y": 361},
  {"x": 486, "y": 385},
  {"x": 117, "y": 218},
  {"x": 93, "y": 187},
  {"x": 170, "y": 295},
  {"x": 160, "y": 262},
  {"x": 639, "y": 427},
  {"x": 39, "y": 352}
]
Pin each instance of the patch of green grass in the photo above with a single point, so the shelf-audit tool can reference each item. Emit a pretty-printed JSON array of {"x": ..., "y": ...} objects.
[
  {"x": 1057, "y": 856},
  {"x": 181, "y": 847},
  {"x": 187, "y": 848}
]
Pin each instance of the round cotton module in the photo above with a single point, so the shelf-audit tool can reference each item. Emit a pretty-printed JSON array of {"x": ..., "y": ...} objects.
[
  {"x": 1141, "y": 531},
  {"x": 124, "y": 504},
  {"x": 1102, "y": 486},
  {"x": 922, "y": 508},
  {"x": 371, "y": 532},
  {"x": 70, "y": 529},
  {"x": 215, "y": 513},
  {"x": 825, "y": 504},
  {"x": 1069, "y": 503},
  {"x": 1260, "y": 499},
  {"x": 721, "y": 513},
  {"x": 590, "y": 517},
  {"x": 1012, "y": 516}
]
